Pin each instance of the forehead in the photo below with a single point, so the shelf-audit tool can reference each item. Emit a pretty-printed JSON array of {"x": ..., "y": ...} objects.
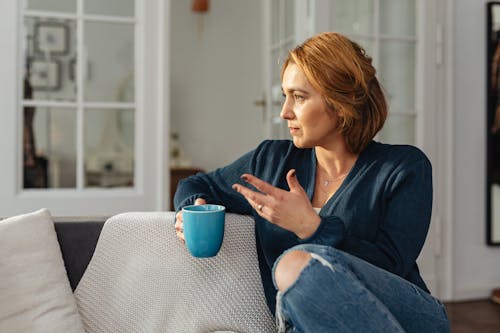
[{"x": 294, "y": 78}]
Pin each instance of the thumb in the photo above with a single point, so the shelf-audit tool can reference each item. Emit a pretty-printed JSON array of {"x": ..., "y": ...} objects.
[
  {"x": 292, "y": 181},
  {"x": 200, "y": 201}
]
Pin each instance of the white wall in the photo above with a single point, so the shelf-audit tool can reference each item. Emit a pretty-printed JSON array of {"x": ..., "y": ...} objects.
[
  {"x": 216, "y": 57},
  {"x": 476, "y": 266}
]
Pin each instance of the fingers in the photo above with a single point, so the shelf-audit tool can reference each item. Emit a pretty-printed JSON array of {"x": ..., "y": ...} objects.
[
  {"x": 259, "y": 184},
  {"x": 254, "y": 198},
  {"x": 293, "y": 182},
  {"x": 267, "y": 194},
  {"x": 200, "y": 201},
  {"x": 180, "y": 235},
  {"x": 179, "y": 226}
]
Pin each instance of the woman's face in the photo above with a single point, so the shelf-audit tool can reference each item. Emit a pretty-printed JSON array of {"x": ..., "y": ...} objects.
[{"x": 310, "y": 121}]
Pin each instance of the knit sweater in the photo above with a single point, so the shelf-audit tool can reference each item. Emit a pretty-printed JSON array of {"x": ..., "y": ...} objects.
[{"x": 381, "y": 212}]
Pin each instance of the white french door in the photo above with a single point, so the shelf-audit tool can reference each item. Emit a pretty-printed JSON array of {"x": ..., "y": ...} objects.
[
  {"x": 84, "y": 107},
  {"x": 404, "y": 38},
  {"x": 279, "y": 36}
]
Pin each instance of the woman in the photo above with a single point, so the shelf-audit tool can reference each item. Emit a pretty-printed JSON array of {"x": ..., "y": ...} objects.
[{"x": 340, "y": 218}]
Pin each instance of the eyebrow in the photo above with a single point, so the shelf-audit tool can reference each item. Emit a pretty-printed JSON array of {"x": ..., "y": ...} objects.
[{"x": 292, "y": 90}]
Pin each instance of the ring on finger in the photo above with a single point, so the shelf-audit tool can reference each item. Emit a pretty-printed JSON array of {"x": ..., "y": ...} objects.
[{"x": 259, "y": 208}]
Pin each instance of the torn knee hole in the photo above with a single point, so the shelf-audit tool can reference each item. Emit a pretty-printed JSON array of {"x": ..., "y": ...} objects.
[{"x": 289, "y": 268}]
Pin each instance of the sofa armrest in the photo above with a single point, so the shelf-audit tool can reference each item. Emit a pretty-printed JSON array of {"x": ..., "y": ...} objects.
[{"x": 77, "y": 238}]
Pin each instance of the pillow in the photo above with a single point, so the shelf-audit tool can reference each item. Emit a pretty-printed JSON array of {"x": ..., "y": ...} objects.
[
  {"x": 35, "y": 291},
  {"x": 141, "y": 278}
]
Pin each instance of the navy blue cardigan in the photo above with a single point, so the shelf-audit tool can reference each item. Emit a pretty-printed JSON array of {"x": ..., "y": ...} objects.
[{"x": 380, "y": 213}]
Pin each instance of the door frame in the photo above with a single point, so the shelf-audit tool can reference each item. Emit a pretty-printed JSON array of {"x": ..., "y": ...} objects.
[
  {"x": 152, "y": 176},
  {"x": 435, "y": 129}
]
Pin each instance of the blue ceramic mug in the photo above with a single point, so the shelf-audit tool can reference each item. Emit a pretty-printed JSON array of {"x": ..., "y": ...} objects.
[{"x": 203, "y": 229}]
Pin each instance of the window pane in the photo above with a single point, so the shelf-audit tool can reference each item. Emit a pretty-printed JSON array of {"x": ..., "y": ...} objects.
[
  {"x": 275, "y": 21},
  {"x": 110, "y": 62},
  {"x": 66, "y": 6},
  {"x": 49, "y": 147},
  {"x": 397, "y": 73},
  {"x": 366, "y": 44},
  {"x": 277, "y": 59},
  {"x": 110, "y": 7},
  {"x": 50, "y": 55},
  {"x": 352, "y": 16},
  {"x": 397, "y": 17},
  {"x": 289, "y": 18},
  {"x": 109, "y": 148},
  {"x": 398, "y": 129}
]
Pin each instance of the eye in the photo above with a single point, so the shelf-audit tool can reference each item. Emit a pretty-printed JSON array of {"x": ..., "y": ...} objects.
[{"x": 298, "y": 98}]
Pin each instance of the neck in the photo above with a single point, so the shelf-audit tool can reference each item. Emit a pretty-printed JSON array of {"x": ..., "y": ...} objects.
[{"x": 335, "y": 162}]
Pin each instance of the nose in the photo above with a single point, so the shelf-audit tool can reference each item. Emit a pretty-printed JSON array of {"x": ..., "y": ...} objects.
[{"x": 286, "y": 111}]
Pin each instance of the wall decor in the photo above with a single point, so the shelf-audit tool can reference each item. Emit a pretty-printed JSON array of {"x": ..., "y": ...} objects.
[
  {"x": 45, "y": 75},
  {"x": 493, "y": 123},
  {"x": 72, "y": 69},
  {"x": 51, "y": 37}
]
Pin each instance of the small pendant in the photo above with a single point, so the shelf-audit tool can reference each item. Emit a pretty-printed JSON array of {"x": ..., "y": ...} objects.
[{"x": 326, "y": 182}]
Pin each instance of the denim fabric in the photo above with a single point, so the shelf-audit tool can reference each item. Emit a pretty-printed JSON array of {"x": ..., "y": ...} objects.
[{"x": 338, "y": 292}]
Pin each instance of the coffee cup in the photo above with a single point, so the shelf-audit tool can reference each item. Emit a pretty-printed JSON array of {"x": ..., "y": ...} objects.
[{"x": 203, "y": 229}]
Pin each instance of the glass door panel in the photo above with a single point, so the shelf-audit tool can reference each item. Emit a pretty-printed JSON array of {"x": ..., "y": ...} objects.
[
  {"x": 398, "y": 129},
  {"x": 49, "y": 147},
  {"x": 50, "y": 55},
  {"x": 110, "y": 62},
  {"x": 109, "y": 148},
  {"x": 66, "y": 6},
  {"x": 289, "y": 23},
  {"x": 274, "y": 29},
  {"x": 397, "y": 73},
  {"x": 368, "y": 44},
  {"x": 386, "y": 29},
  {"x": 109, "y": 7},
  {"x": 352, "y": 16},
  {"x": 282, "y": 37},
  {"x": 397, "y": 17},
  {"x": 58, "y": 114}
]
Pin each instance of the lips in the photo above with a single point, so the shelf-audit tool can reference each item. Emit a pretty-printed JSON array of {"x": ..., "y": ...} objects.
[{"x": 293, "y": 130}]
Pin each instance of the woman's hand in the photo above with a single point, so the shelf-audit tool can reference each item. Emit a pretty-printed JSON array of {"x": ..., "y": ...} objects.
[
  {"x": 291, "y": 210},
  {"x": 179, "y": 224}
]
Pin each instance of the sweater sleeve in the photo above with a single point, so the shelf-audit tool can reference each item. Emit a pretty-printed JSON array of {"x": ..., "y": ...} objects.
[
  {"x": 403, "y": 227},
  {"x": 331, "y": 232},
  {"x": 216, "y": 186}
]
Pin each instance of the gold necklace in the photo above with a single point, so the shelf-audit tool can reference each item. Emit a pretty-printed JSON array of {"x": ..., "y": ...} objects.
[{"x": 327, "y": 182}]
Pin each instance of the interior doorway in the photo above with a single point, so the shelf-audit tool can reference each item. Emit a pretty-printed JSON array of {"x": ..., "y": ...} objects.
[{"x": 216, "y": 76}]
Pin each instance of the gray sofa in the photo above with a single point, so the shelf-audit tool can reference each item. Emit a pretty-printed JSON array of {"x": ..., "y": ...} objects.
[
  {"x": 126, "y": 273},
  {"x": 77, "y": 238},
  {"x": 130, "y": 273}
]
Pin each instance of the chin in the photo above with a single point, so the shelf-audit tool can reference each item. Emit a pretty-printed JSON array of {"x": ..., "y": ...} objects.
[{"x": 301, "y": 143}]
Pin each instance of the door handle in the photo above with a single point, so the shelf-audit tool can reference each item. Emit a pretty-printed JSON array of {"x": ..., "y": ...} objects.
[{"x": 262, "y": 103}]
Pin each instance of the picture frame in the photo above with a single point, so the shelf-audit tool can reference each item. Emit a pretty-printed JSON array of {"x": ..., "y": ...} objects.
[
  {"x": 51, "y": 38},
  {"x": 45, "y": 75},
  {"x": 72, "y": 69}
]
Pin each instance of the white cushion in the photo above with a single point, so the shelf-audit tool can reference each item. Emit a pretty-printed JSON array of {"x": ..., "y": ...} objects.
[{"x": 35, "y": 292}]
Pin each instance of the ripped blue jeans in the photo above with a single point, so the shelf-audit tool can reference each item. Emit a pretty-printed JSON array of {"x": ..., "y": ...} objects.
[{"x": 338, "y": 292}]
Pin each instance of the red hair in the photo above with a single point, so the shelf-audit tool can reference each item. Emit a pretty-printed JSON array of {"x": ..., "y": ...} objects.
[{"x": 342, "y": 72}]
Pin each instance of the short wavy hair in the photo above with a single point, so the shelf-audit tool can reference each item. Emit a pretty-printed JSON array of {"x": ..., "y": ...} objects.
[{"x": 343, "y": 73}]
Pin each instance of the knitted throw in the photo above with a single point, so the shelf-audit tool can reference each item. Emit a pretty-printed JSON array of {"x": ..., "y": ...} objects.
[{"x": 142, "y": 279}]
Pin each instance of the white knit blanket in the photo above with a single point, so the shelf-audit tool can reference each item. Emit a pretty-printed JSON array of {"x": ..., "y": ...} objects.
[{"x": 142, "y": 279}]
